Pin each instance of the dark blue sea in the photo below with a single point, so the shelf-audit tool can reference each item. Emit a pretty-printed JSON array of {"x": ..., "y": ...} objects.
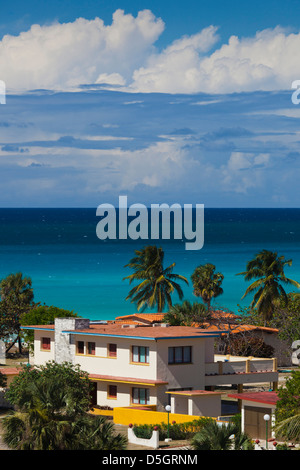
[{"x": 72, "y": 268}]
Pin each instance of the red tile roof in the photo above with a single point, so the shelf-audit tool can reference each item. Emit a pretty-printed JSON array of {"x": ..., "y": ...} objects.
[
  {"x": 151, "y": 332},
  {"x": 148, "y": 317},
  {"x": 145, "y": 331},
  {"x": 269, "y": 398}
]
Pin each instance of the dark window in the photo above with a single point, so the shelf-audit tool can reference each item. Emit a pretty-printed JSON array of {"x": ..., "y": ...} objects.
[
  {"x": 112, "y": 391},
  {"x": 112, "y": 350},
  {"x": 80, "y": 347},
  {"x": 46, "y": 343},
  {"x": 180, "y": 355}
]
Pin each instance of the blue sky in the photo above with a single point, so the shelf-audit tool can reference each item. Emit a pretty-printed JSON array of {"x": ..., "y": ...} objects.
[{"x": 185, "y": 102}]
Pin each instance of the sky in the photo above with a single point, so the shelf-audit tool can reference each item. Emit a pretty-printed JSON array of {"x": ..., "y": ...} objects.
[{"x": 176, "y": 102}]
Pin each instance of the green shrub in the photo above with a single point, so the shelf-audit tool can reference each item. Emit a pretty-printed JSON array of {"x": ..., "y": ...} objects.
[
  {"x": 177, "y": 431},
  {"x": 282, "y": 447},
  {"x": 143, "y": 431}
]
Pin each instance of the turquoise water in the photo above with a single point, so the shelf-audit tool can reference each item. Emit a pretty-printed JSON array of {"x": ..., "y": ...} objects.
[{"x": 71, "y": 268}]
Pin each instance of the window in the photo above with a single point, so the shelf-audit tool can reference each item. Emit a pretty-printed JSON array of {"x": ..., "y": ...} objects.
[
  {"x": 112, "y": 391},
  {"x": 80, "y": 347},
  {"x": 91, "y": 348},
  {"x": 140, "y": 354},
  {"x": 112, "y": 350},
  {"x": 45, "y": 343},
  {"x": 180, "y": 355},
  {"x": 140, "y": 396}
]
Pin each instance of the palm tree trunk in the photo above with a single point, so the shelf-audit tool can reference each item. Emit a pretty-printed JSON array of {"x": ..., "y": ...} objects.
[{"x": 20, "y": 344}]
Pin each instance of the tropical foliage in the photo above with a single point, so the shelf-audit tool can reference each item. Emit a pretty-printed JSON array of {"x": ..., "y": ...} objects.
[
  {"x": 207, "y": 283},
  {"x": 156, "y": 283},
  {"x": 52, "y": 404},
  {"x": 186, "y": 314},
  {"x": 268, "y": 270},
  {"x": 42, "y": 315},
  {"x": 16, "y": 298},
  {"x": 287, "y": 411},
  {"x": 214, "y": 436}
]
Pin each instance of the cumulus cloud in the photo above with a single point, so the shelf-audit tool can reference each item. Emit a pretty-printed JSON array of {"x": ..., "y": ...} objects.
[
  {"x": 84, "y": 51},
  {"x": 263, "y": 62},
  {"x": 123, "y": 55}
]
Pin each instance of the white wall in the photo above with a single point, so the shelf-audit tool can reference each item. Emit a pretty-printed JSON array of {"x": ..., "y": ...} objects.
[
  {"x": 120, "y": 366},
  {"x": 123, "y": 394},
  {"x": 43, "y": 356}
]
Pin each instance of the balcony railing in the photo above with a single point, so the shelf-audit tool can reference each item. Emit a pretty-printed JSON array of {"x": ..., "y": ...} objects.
[{"x": 234, "y": 365}]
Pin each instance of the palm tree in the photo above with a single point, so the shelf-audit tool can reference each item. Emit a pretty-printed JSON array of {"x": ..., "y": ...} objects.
[
  {"x": 186, "y": 313},
  {"x": 221, "y": 437},
  {"x": 268, "y": 270},
  {"x": 157, "y": 283},
  {"x": 47, "y": 420},
  {"x": 289, "y": 428},
  {"x": 207, "y": 283}
]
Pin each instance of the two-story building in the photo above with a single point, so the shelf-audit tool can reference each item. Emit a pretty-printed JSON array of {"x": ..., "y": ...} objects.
[{"x": 145, "y": 365}]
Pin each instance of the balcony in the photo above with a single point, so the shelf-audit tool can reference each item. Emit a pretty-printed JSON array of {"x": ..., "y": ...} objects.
[{"x": 236, "y": 370}]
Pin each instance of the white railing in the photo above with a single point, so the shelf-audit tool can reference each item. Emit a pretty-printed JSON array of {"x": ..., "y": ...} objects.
[{"x": 236, "y": 366}]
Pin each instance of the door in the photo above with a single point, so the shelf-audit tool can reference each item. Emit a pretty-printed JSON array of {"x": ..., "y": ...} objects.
[{"x": 255, "y": 425}]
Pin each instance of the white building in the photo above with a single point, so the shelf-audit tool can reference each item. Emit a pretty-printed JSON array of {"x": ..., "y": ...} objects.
[{"x": 147, "y": 365}]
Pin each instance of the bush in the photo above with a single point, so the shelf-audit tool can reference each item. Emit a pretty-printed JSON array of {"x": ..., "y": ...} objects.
[
  {"x": 250, "y": 346},
  {"x": 177, "y": 431}
]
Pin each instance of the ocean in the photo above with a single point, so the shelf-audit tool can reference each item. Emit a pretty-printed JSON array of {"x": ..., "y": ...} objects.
[{"x": 72, "y": 268}]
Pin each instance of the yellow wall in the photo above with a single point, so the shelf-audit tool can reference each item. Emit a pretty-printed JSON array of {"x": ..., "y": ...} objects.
[{"x": 130, "y": 415}]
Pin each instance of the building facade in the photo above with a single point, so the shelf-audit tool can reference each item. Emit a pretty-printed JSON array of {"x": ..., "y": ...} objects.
[{"x": 137, "y": 365}]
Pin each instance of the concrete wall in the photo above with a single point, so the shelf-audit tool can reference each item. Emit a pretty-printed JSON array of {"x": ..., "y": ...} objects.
[
  {"x": 207, "y": 405},
  {"x": 153, "y": 442},
  {"x": 64, "y": 343}
]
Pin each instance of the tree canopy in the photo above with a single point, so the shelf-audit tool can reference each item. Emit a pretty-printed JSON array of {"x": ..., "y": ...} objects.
[
  {"x": 207, "y": 283},
  {"x": 42, "y": 315},
  {"x": 156, "y": 283},
  {"x": 268, "y": 270},
  {"x": 16, "y": 299},
  {"x": 51, "y": 412}
]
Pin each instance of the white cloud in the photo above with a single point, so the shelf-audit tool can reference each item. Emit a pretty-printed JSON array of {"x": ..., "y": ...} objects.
[
  {"x": 264, "y": 62},
  {"x": 85, "y": 51},
  {"x": 123, "y": 54}
]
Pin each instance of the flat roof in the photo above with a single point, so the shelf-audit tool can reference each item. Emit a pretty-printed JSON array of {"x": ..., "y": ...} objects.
[
  {"x": 142, "y": 332},
  {"x": 193, "y": 393},
  {"x": 131, "y": 380}
]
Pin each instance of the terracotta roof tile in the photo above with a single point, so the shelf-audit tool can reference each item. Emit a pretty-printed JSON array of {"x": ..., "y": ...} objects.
[{"x": 269, "y": 398}]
